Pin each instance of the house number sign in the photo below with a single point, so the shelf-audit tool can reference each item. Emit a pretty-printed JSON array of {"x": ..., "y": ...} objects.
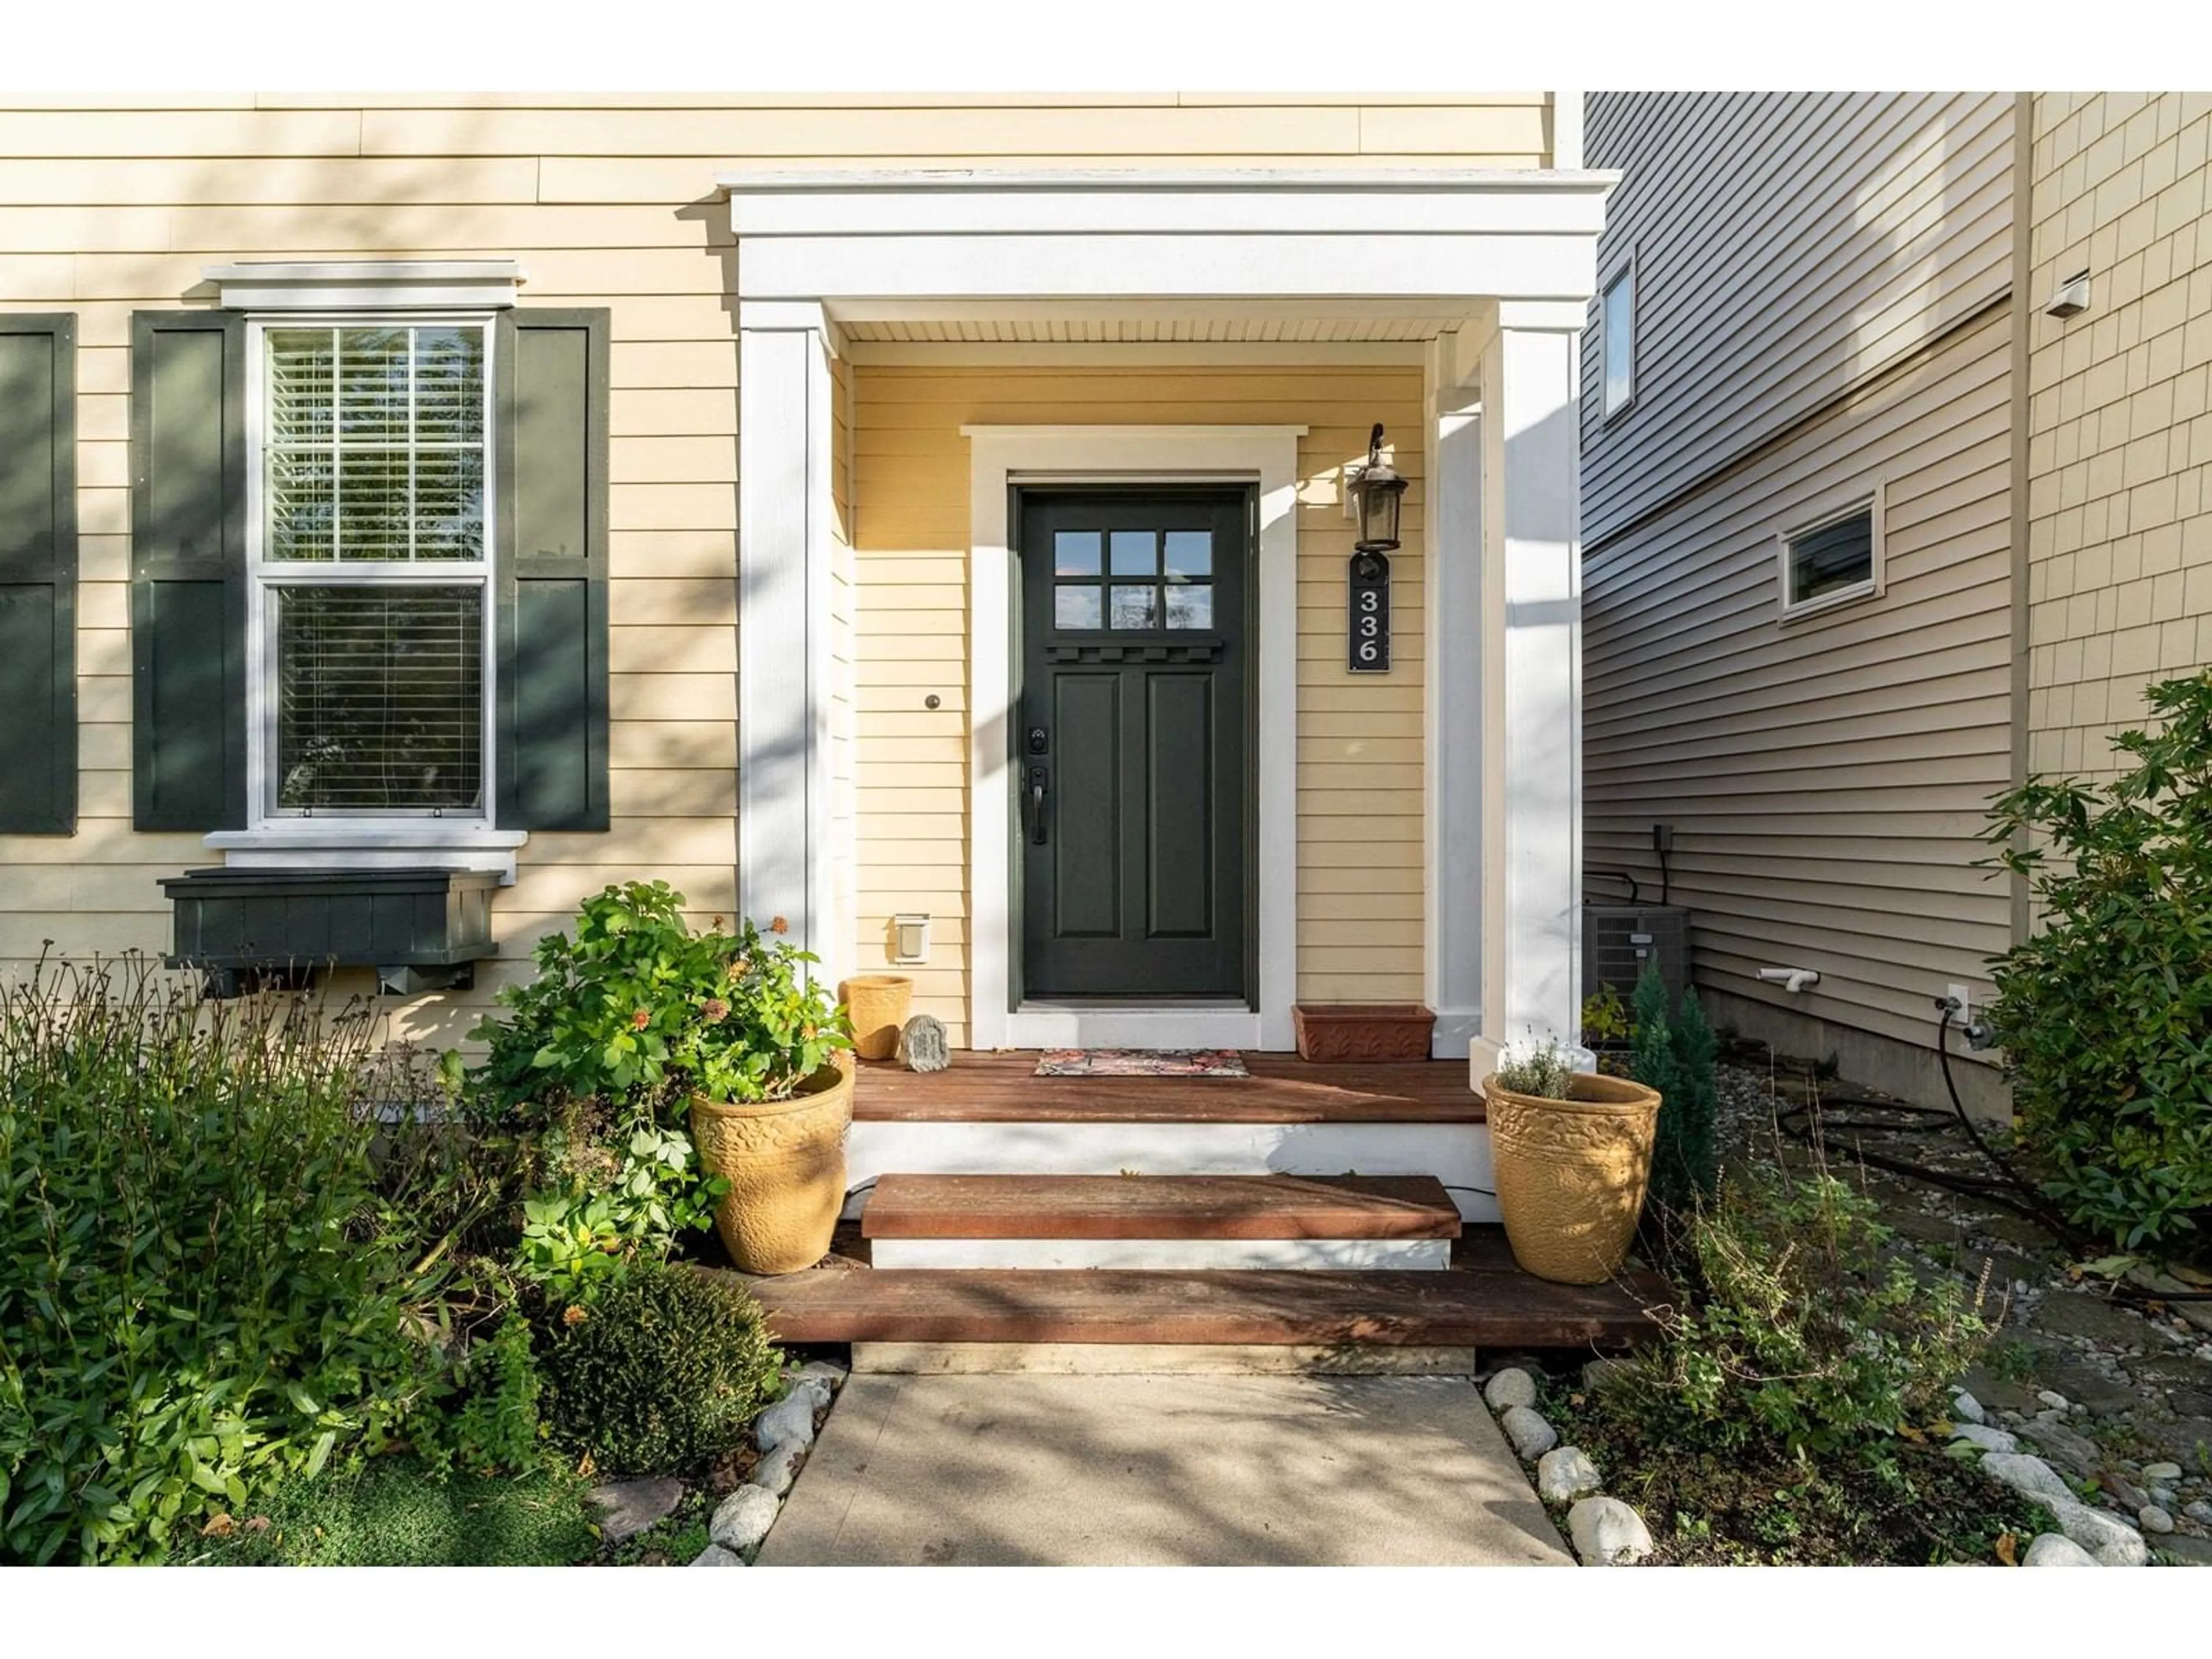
[{"x": 1367, "y": 648}]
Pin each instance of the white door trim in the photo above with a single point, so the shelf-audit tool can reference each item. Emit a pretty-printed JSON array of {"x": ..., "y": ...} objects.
[{"x": 1000, "y": 457}]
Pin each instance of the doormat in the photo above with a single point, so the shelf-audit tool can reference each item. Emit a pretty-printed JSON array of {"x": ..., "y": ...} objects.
[{"x": 1141, "y": 1062}]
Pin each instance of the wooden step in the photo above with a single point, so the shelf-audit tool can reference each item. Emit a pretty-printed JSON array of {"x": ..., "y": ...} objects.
[
  {"x": 1269, "y": 1206},
  {"x": 1457, "y": 1307},
  {"x": 1282, "y": 1089}
]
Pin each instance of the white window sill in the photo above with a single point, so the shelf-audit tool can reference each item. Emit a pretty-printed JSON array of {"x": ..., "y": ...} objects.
[{"x": 366, "y": 845}]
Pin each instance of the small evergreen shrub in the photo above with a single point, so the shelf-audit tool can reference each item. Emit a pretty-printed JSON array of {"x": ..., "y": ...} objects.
[
  {"x": 1677, "y": 1056},
  {"x": 2105, "y": 1014},
  {"x": 660, "y": 1374}
]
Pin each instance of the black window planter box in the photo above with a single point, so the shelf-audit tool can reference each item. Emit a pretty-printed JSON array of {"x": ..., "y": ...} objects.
[{"x": 420, "y": 929}]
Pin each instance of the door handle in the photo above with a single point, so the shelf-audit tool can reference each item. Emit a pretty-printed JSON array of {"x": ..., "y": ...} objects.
[{"x": 1036, "y": 789}]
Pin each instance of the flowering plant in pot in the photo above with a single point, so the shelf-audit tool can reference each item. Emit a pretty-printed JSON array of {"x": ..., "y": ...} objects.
[
  {"x": 719, "y": 1031},
  {"x": 1571, "y": 1153}
]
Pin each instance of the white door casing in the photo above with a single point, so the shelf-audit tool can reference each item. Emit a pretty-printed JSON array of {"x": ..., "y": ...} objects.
[{"x": 1002, "y": 456}]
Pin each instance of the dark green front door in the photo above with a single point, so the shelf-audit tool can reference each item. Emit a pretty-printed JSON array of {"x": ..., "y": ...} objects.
[{"x": 1130, "y": 753}]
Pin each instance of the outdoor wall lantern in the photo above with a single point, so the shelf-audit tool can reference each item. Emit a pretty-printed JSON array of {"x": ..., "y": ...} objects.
[{"x": 1380, "y": 489}]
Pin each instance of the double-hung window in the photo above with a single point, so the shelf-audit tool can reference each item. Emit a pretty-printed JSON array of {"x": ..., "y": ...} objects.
[{"x": 369, "y": 597}]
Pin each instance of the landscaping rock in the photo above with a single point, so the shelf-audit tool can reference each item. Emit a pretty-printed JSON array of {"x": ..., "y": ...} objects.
[
  {"x": 1607, "y": 1533},
  {"x": 2085, "y": 1385},
  {"x": 2162, "y": 1471},
  {"x": 2093, "y": 1318},
  {"x": 1968, "y": 1409},
  {"x": 2029, "y": 1475},
  {"x": 2110, "y": 1539},
  {"x": 2052, "y": 1399},
  {"x": 2050, "y": 1550},
  {"x": 1993, "y": 1391},
  {"x": 2151, "y": 1518},
  {"x": 1566, "y": 1473},
  {"x": 628, "y": 1507},
  {"x": 791, "y": 1418},
  {"x": 778, "y": 1467},
  {"x": 2187, "y": 1440},
  {"x": 2062, "y": 1445},
  {"x": 2178, "y": 1549},
  {"x": 715, "y": 1556},
  {"x": 1531, "y": 1436},
  {"x": 1600, "y": 1374},
  {"x": 1509, "y": 1387},
  {"x": 744, "y": 1518},
  {"x": 922, "y": 1046},
  {"x": 827, "y": 1373},
  {"x": 2124, "y": 1492},
  {"x": 1989, "y": 1439},
  {"x": 2200, "y": 1512}
]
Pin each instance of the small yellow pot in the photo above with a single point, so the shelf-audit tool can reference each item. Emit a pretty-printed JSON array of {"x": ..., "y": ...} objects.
[
  {"x": 879, "y": 1005},
  {"x": 1570, "y": 1174},
  {"x": 784, "y": 1162}
]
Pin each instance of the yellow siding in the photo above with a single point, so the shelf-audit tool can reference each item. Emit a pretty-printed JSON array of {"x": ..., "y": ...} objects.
[
  {"x": 112, "y": 204},
  {"x": 2119, "y": 422},
  {"x": 1359, "y": 750}
]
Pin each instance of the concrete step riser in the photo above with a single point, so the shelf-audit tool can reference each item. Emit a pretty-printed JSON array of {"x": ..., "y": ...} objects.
[
  {"x": 1316, "y": 1254},
  {"x": 1155, "y": 1359}
]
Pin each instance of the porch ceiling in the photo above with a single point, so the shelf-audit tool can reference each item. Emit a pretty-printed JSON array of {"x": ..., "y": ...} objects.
[{"x": 1093, "y": 330}]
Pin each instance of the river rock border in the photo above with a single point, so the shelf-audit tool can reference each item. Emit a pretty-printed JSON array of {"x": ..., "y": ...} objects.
[
  {"x": 785, "y": 1434},
  {"x": 2087, "y": 1536},
  {"x": 1604, "y": 1531}
]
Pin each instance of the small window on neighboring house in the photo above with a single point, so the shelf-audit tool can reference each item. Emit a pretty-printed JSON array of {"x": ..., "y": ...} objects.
[
  {"x": 371, "y": 568},
  {"x": 1617, "y": 340},
  {"x": 1832, "y": 560}
]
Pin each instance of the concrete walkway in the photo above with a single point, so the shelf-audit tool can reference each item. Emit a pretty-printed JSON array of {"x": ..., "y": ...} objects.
[{"x": 1218, "y": 1471}]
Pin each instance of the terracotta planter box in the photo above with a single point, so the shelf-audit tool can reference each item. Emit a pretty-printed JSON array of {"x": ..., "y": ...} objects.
[{"x": 1342, "y": 1032}]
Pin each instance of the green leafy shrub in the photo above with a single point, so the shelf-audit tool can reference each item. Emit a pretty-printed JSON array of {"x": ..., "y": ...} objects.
[
  {"x": 1676, "y": 1054},
  {"x": 2105, "y": 1013},
  {"x": 577, "y": 1236},
  {"x": 1606, "y": 1018},
  {"x": 1799, "y": 1336},
  {"x": 400, "y": 1512},
  {"x": 638, "y": 1011},
  {"x": 200, "y": 1291},
  {"x": 662, "y": 1374},
  {"x": 488, "y": 1425}
]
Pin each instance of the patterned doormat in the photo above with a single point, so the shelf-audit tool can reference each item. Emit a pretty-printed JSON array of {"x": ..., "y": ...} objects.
[{"x": 1141, "y": 1062}]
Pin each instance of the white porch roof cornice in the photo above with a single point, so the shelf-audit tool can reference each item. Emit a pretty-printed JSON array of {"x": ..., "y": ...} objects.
[{"x": 1341, "y": 235}]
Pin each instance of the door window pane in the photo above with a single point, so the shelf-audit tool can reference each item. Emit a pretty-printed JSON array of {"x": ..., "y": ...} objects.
[
  {"x": 1136, "y": 553},
  {"x": 1136, "y": 607},
  {"x": 1190, "y": 553},
  {"x": 1078, "y": 607},
  {"x": 1190, "y": 606},
  {"x": 1075, "y": 553}
]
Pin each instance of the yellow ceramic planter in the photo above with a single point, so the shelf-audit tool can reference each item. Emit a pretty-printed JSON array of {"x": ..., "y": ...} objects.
[
  {"x": 784, "y": 1162},
  {"x": 1570, "y": 1174},
  {"x": 878, "y": 1004}
]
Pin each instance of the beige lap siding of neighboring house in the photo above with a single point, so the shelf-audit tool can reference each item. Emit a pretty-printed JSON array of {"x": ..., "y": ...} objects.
[
  {"x": 1359, "y": 737},
  {"x": 108, "y": 205},
  {"x": 2119, "y": 416}
]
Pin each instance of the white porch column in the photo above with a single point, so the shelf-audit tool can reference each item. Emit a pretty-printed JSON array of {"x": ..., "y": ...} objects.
[
  {"x": 1452, "y": 835},
  {"x": 1532, "y": 635},
  {"x": 786, "y": 521}
]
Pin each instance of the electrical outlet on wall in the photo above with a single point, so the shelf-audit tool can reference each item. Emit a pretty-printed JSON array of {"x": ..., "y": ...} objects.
[{"x": 1963, "y": 1002}]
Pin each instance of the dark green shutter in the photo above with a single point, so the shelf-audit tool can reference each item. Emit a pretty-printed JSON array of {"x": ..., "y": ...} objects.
[
  {"x": 188, "y": 569},
  {"x": 551, "y": 569},
  {"x": 38, "y": 575}
]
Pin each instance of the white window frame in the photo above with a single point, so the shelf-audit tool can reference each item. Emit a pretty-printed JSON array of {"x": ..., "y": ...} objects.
[
  {"x": 1624, "y": 266},
  {"x": 264, "y": 574},
  {"x": 1869, "y": 501}
]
